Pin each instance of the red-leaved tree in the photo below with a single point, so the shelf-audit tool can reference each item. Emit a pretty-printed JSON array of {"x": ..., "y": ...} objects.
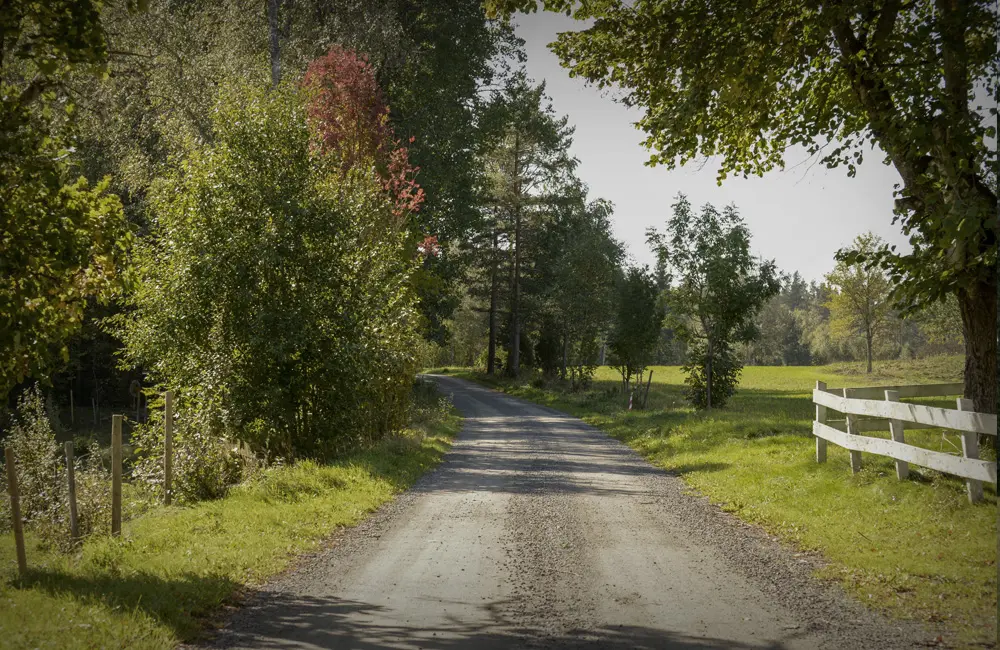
[{"x": 351, "y": 119}]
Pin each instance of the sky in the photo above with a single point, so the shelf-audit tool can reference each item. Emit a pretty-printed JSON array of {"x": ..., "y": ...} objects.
[{"x": 799, "y": 216}]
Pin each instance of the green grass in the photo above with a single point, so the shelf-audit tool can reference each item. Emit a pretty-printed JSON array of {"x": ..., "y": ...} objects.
[
  {"x": 174, "y": 567},
  {"x": 914, "y": 549}
]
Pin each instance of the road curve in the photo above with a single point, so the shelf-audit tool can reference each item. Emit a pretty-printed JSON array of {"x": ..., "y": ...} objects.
[{"x": 540, "y": 531}]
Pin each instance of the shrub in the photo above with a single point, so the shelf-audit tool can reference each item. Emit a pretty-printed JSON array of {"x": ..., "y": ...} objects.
[
  {"x": 42, "y": 479},
  {"x": 205, "y": 465},
  {"x": 36, "y": 457},
  {"x": 726, "y": 370},
  {"x": 426, "y": 403},
  {"x": 274, "y": 292}
]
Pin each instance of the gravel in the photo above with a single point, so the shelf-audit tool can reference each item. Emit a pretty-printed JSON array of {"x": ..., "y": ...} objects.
[{"x": 540, "y": 531}]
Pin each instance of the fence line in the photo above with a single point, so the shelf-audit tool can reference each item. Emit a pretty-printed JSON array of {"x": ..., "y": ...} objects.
[
  {"x": 895, "y": 416},
  {"x": 116, "y": 481}
]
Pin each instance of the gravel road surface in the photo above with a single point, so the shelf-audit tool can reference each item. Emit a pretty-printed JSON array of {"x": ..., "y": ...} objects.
[{"x": 539, "y": 531}]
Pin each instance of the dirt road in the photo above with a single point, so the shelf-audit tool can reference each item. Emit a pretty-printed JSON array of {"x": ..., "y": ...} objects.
[{"x": 540, "y": 531}]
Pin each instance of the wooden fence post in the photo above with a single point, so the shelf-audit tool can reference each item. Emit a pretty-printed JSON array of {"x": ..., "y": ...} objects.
[
  {"x": 15, "y": 511},
  {"x": 896, "y": 430},
  {"x": 970, "y": 449},
  {"x": 852, "y": 428},
  {"x": 168, "y": 444},
  {"x": 74, "y": 525},
  {"x": 820, "y": 417},
  {"x": 116, "y": 475}
]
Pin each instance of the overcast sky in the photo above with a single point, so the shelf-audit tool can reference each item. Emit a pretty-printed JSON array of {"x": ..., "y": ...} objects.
[{"x": 799, "y": 217}]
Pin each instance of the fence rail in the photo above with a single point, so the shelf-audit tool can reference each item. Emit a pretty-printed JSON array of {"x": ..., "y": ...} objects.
[{"x": 879, "y": 409}]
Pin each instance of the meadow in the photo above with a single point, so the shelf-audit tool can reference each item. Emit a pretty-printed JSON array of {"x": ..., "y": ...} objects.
[{"x": 916, "y": 549}]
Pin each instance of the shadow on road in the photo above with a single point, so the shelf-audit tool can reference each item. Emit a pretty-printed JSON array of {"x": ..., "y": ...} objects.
[{"x": 312, "y": 622}]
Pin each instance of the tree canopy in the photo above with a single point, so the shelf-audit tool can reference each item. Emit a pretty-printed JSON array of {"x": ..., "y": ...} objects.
[
  {"x": 744, "y": 81},
  {"x": 717, "y": 290},
  {"x": 63, "y": 240}
]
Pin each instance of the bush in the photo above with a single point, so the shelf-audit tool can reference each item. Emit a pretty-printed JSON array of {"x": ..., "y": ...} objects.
[
  {"x": 36, "y": 457},
  {"x": 42, "y": 479},
  {"x": 275, "y": 291},
  {"x": 726, "y": 370},
  {"x": 205, "y": 466},
  {"x": 426, "y": 403}
]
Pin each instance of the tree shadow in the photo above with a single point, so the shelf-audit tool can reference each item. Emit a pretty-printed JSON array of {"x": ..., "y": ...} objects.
[
  {"x": 698, "y": 467},
  {"x": 178, "y": 602},
  {"x": 281, "y": 620}
]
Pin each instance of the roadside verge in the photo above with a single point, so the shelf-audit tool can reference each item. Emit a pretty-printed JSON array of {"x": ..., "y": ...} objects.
[{"x": 173, "y": 568}]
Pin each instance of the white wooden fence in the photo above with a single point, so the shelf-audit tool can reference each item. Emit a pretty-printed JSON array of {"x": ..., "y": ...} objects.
[{"x": 878, "y": 409}]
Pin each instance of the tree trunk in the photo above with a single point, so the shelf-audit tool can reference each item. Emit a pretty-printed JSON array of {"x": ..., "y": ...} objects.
[
  {"x": 272, "y": 26},
  {"x": 514, "y": 362},
  {"x": 514, "y": 365},
  {"x": 979, "y": 327},
  {"x": 491, "y": 355},
  {"x": 868, "y": 350},
  {"x": 708, "y": 384},
  {"x": 565, "y": 354}
]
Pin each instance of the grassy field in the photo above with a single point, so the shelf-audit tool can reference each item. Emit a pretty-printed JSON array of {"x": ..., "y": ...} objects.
[
  {"x": 173, "y": 567},
  {"x": 915, "y": 548}
]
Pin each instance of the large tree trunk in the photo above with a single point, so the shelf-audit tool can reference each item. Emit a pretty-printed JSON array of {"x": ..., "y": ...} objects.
[
  {"x": 979, "y": 327},
  {"x": 273, "y": 34},
  {"x": 491, "y": 355}
]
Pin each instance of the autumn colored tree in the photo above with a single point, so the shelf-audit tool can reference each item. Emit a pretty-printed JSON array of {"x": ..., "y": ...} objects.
[{"x": 351, "y": 120}]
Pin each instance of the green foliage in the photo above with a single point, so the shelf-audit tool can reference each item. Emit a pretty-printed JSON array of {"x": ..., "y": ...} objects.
[
  {"x": 205, "y": 465},
  {"x": 859, "y": 299},
  {"x": 720, "y": 288},
  {"x": 636, "y": 327},
  {"x": 62, "y": 241},
  {"x": 941, "y": 324},
  {"x": 726, "y": 369},
  {"x": 36, "y": 457},
  {"x": 436, "y": 81},
  {"x": 42, "y": 479},
  {"x": 273, "y": 294}
]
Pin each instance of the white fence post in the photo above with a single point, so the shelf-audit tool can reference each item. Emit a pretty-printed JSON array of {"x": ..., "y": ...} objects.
[
  {"x": 852, "y": 429},
  {"x": 820, "y": 417},
  {"x": 890, "y": 413},
  {"x": 896, "y": 429},
  {"x": 970, "y": 449}
]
